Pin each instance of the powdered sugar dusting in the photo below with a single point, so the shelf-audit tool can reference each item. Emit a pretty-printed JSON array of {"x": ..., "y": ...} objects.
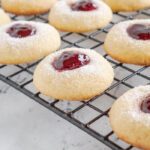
[
  {"x": 132, "y": 100},
  {"x": 41, "y": 28},
  {"x": 32, "y": 46},
  {"x": 64, "y": 6},
  {"x": 120, "y": 33},
  {"x": 64, "y": 14},
  {"x": 97, "y": 63}
]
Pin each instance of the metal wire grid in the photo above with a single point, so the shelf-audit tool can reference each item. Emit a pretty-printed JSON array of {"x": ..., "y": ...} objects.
[{"x": 91, "y": 116}]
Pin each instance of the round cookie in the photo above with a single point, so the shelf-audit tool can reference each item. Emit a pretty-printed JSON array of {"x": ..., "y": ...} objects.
[
  {"x": 80, "y": 15},
  {"x": 24, "y": 41},
  {"x": 127, "y": 5},
  {"x": 27, "y": 7},
  {"x": 4, "y": 18},
  {"x": 129, "y": 42},
  {"x": 73, "y": 74},
  {"x": 130, "y": 117}
]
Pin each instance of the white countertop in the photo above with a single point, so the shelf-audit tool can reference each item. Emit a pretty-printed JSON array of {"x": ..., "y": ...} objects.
[{"x": 26, "y": 125}]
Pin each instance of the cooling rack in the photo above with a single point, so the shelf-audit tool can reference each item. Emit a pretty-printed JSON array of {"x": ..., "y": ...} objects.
[{"x": 91, "y": 116}]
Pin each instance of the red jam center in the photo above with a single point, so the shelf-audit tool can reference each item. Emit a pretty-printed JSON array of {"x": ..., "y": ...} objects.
[
  {"x": 85, "y": 5},
  {"x": 145, "y": 106},
  {"x": 21, "y": 30},
  {"x": 70, "y": 60},
  {"x": 139, "y": 31}
]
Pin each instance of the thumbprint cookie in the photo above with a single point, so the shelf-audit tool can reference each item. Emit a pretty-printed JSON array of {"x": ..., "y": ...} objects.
[
  {"x": 24, "y": 41},
  {"x": 73, "y": 74},
  {"x": 127, "y": 5},
  {"x": 130, "y": 117},
  {"x": 80, "y": 15},
  {"x": 27, "y": 7},
  {"x": 129, "y": 42}
]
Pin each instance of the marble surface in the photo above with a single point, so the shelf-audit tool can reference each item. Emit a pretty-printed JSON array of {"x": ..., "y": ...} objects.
[{"x": 26, "y": 125}]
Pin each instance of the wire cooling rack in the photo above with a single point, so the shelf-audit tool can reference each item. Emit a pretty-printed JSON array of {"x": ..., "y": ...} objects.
[{"x": 91, "y": 116}]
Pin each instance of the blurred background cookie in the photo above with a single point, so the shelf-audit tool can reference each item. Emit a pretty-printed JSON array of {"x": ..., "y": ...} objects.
[
  {"x": 127, "y": 5},
  {"x": 27, "y": 7},
  {"x": 80, "y": 15}
]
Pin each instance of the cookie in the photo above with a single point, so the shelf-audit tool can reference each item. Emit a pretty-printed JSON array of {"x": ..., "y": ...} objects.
[
  {"x": 80, "y": 15},
  {"x": 73, "y": 74},
  {"x": 24, "y": 41},
  {"x": 129, "y": 42},
  {"x": 27, "y": 7},
  {"x": 4, "y": 18},
  {"x": 130, "y": 117},
  {"x": 127, "y": 5}
]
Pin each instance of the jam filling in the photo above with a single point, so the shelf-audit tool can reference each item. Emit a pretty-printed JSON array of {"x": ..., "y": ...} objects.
[
  {"x": 21, "y": 30},
  {"x": 139, "y": 31},
  {"x": 85, "y": 5},
  {"x": 145, "y": 106},
  {"x": 70, "y": 60}
]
